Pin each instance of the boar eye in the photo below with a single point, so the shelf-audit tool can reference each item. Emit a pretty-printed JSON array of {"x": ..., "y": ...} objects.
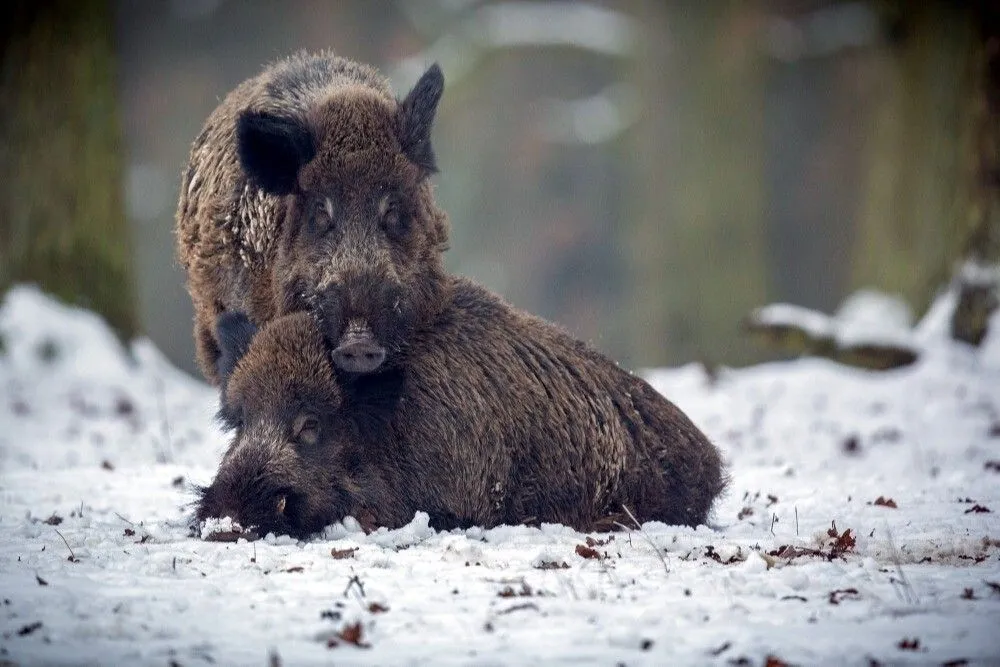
[
  {"x": 321, "y": 216},
  {"x": 306, "y": 430},
  {"x": 394, "y": 221}
]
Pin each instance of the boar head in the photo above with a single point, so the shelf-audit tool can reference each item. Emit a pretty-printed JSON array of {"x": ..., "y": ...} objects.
[
  {"x": 361, "y": 242},
  {"x": 288, "y": 468}
]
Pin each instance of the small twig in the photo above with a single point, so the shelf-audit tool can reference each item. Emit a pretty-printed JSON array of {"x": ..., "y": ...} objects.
[
  {"x": 796, "y": 521},
  {"x": 774, "y": 520},
  {"x": 72, "y": 556},
  {"x": 124, "y": 519},
  {"x": 518, "y": 607},
  {"x": 911, "y": 595},
  {"x": 648, "y": 539},
  {"x": 254, "y": 558},
  {"x": 355, "y": 581}
]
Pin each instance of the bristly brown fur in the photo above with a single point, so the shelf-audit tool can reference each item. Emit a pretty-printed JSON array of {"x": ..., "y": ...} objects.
[
  {"x": 497, "y": 418},
  {"x": 309, "y": 137},
  {"x": 396, "y": 387}
]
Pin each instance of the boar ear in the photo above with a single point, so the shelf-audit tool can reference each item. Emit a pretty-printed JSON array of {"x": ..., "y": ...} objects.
[
  {"x": 235, "y": 331},
  {"x": 272, "y": 149},
  {"x": 416, "y": 116}
]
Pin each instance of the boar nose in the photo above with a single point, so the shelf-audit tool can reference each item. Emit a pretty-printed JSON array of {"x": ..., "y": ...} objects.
[
  {"x": 359, "y": 356},
  {"x": 358, "y": 352}
]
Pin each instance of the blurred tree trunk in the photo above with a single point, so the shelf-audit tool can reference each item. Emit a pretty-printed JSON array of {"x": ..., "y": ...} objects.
[
  {"x": 699, "y": 200},
  {"x": 907, "y": 236},
  {"x": 62, "y": 223},
  {"x": 979, "y": 275}
]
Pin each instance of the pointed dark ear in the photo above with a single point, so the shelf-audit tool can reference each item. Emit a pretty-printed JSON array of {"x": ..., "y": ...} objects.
[
  {"x": 416, "y": 116},
  {"x": 235, "y": 331},
  {"x": 272, "y": 149}
]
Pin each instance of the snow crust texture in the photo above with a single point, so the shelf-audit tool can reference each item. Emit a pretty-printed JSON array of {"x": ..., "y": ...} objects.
[{"x": 861, "y": 528}]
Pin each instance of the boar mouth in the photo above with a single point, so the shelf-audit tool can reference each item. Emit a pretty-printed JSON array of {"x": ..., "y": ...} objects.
[
  {"x": 252, "y": 518},
  {"x": 250, "y": 535}
]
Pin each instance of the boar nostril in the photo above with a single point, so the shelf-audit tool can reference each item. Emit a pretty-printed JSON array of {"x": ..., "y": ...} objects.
[
  {"x": 359, "y": 356},
  {"x": 282, "y": 500}
]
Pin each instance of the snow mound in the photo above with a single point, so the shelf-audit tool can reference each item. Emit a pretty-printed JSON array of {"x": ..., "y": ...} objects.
[
  {"x": 75, "y": 396},
  {"x": 866, "y": 318}
]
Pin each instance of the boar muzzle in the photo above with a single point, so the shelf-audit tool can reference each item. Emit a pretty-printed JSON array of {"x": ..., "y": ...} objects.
[{"x": 357, "y": 351}]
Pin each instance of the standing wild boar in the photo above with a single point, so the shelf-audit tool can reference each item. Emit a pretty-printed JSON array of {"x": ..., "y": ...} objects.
[
  {"x": 492, "y": 417},
  {"x": 308, "y": 187}
]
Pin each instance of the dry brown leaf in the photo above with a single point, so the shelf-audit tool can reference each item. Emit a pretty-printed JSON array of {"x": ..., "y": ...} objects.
[
  {"x": 353, "y": 633},
  {"x": 340, "y": 554}
]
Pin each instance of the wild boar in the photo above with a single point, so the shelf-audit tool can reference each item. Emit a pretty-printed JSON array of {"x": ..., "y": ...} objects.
[
  {"x": 491, "y": 416},
  {"x": 309, "y": 187}
]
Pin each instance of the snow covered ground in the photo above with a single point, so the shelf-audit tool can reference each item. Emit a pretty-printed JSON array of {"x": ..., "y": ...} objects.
[{"x": 861, "y": 528}]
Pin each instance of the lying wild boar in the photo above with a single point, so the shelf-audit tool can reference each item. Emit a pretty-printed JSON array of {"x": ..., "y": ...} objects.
[{"x": 491, "y": 416}]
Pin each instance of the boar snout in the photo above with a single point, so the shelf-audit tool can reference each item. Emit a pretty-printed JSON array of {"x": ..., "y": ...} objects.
[
  {"x": 358, "y": 351},
  {"x": 365, "y": 320},
  {"x": 257, "y": 507}
]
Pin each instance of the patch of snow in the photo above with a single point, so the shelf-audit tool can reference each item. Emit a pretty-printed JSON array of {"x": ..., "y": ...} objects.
[
  {"x": 100, "y": 445},
  {"x": 814, "y": 323},
  {"x": 974, "y": 272},
  {"x": 869, "y": 316}
]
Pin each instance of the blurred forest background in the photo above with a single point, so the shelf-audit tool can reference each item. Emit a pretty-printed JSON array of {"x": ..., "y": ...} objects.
[{"x": 643, "y": 172}]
